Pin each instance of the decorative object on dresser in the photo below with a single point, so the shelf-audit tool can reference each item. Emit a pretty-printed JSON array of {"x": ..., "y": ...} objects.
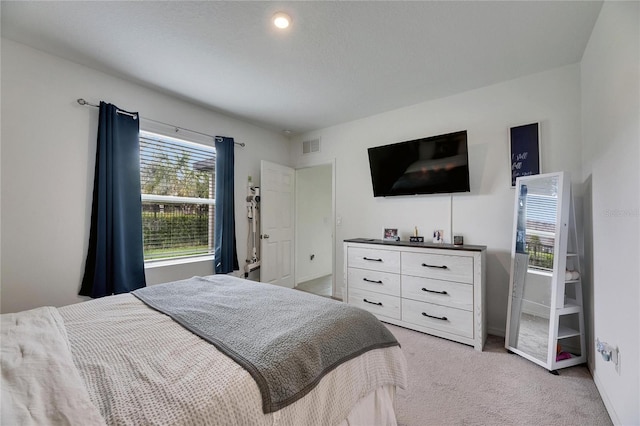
[
  {"x": 415, "y": 238},
  {"x": 545, "y": 322},
  {"x": 390, "y": 234},
  {"x": 437, "y": 289}
]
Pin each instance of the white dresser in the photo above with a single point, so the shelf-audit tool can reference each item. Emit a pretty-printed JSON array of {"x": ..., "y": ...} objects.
[{"x": 433, "y": 288}]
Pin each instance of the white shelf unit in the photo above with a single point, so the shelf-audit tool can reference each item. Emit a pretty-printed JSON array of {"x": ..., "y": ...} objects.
[
  {"x": 564, "y": 308},
  {"x": 570, "y": 293}
]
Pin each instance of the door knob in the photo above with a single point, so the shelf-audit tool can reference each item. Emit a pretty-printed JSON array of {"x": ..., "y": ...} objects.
[{"x": 264, "y": 236}]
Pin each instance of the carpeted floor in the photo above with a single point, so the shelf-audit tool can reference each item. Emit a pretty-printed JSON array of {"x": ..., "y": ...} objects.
[
  {"x": 452, "y": 384},
  {"x": 320, "y": 286}
]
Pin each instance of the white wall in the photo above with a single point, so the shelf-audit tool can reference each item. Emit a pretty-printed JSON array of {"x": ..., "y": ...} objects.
[
  {"x": 48, "y": 157},
  {"x": 610, "y": 72},
  {"x": 314, "y": 222},
  {"x": 484, "y": 216}
]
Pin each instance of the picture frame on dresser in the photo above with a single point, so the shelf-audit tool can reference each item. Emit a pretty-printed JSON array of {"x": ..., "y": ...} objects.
[
  {"x": 390, "y": 234},
  {"x": 434, "y": 288}
]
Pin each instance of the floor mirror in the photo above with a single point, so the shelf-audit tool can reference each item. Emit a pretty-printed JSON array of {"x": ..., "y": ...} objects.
[{"x": 544, "y": 318}]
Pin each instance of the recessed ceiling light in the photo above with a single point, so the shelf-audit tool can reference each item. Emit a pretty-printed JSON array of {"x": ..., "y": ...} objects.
[{"x": 281, "y": 20}]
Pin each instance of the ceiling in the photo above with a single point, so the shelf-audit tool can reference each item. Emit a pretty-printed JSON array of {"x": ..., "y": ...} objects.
[{"x": 339, "y": 61}]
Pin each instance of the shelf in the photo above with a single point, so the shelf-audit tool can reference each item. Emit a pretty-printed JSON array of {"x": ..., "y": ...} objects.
[
  {"x": 574, "y": 360},
  {"x": 570, "y": 307},
  {"x": 566, "y": 332},
  {"x": 571, "y": 281}
]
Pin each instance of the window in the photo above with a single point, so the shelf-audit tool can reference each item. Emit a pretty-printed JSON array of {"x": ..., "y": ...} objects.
[{"x": 177, "y": 180}]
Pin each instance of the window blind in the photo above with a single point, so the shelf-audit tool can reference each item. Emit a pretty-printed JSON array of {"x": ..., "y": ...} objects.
[
  {"x": 177, "y": 185},
  {"x": 541, "y": 227}
]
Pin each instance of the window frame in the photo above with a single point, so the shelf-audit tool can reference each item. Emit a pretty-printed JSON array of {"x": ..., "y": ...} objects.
[{"x": 150, "y": 132}]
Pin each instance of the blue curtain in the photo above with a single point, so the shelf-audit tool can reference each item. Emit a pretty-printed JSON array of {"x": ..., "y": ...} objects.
[
  {"x": 226, "y": 257},
  {"x": 115, "y": 260}
]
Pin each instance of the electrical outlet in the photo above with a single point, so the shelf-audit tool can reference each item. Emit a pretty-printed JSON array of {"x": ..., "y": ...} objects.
[{"x": 609, "y": 353}]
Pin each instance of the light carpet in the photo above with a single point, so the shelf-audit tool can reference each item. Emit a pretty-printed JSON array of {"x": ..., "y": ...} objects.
[{"x": 452, "y": 384}]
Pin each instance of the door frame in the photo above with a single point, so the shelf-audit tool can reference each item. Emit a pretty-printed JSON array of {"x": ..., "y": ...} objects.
[{"x": 331, "y": 163}]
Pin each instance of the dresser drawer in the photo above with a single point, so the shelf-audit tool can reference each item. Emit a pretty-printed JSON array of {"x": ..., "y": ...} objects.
[
  {"x": 444, "y": 293},
  {"x": 443, "y": 318},
  {"x": 438, "y": 266},
  {"x": 376, "y": 303},
  {"x": 380, "y": 282},
  {"x": 374, "y": 259}
]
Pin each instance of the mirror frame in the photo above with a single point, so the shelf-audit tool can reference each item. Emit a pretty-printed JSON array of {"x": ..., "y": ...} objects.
[{"x": 559, "y": 265}]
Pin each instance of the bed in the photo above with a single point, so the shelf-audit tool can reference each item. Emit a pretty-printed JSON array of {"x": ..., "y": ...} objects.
[{"x": 135, "y": 358}]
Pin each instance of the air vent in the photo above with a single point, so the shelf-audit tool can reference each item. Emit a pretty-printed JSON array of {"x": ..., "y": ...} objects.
[{"x": 311, "y": 146}]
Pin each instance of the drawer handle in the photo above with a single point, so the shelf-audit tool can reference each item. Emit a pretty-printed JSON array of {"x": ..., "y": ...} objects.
[
  {"x": 438, "y": 318},
  {"x": 434, "y": 291},
  {"x": 435, "y": 266},
  {"x": 371, "y": 281},
  {"x": 373, "y": 303},
  {"x": 373, "y": 260}
]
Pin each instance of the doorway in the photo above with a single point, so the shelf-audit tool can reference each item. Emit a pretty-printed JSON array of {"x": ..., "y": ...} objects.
[{"x": 314, "y": 221}]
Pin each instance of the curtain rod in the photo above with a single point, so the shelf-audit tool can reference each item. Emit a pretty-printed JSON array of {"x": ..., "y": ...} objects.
[{"x": 85, "y": 103}]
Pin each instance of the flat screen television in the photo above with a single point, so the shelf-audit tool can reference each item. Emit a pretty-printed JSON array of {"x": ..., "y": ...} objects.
[{"x": 433, "y": 165}]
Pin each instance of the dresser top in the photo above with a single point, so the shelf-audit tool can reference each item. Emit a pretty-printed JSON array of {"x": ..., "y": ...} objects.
[{"x": 410, "y": 244}]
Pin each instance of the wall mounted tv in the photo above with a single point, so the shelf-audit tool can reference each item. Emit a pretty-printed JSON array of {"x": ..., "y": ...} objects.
[{"x": 433, "y": 165}]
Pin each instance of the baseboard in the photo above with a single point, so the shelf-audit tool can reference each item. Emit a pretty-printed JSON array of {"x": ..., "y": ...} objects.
[
  {"x": 605, "y": 399},
  {"x": 535, "y": 309},
  {"x": 311, "y": 277},
  {"x": 338, "y": 294},
  {"x": 495, "y": 331}
]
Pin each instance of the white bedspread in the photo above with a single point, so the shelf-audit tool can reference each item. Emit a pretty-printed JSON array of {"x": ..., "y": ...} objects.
[
  {"x": 141, "y": 367},
  {"x": 40, "y": 384}
]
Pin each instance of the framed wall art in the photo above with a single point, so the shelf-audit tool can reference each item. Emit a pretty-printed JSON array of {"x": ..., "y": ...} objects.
[{"x": 524, "y": 151}]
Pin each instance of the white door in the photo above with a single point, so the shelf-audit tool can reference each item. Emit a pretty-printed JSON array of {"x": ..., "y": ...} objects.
[{"x": 277, "y": 224}]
